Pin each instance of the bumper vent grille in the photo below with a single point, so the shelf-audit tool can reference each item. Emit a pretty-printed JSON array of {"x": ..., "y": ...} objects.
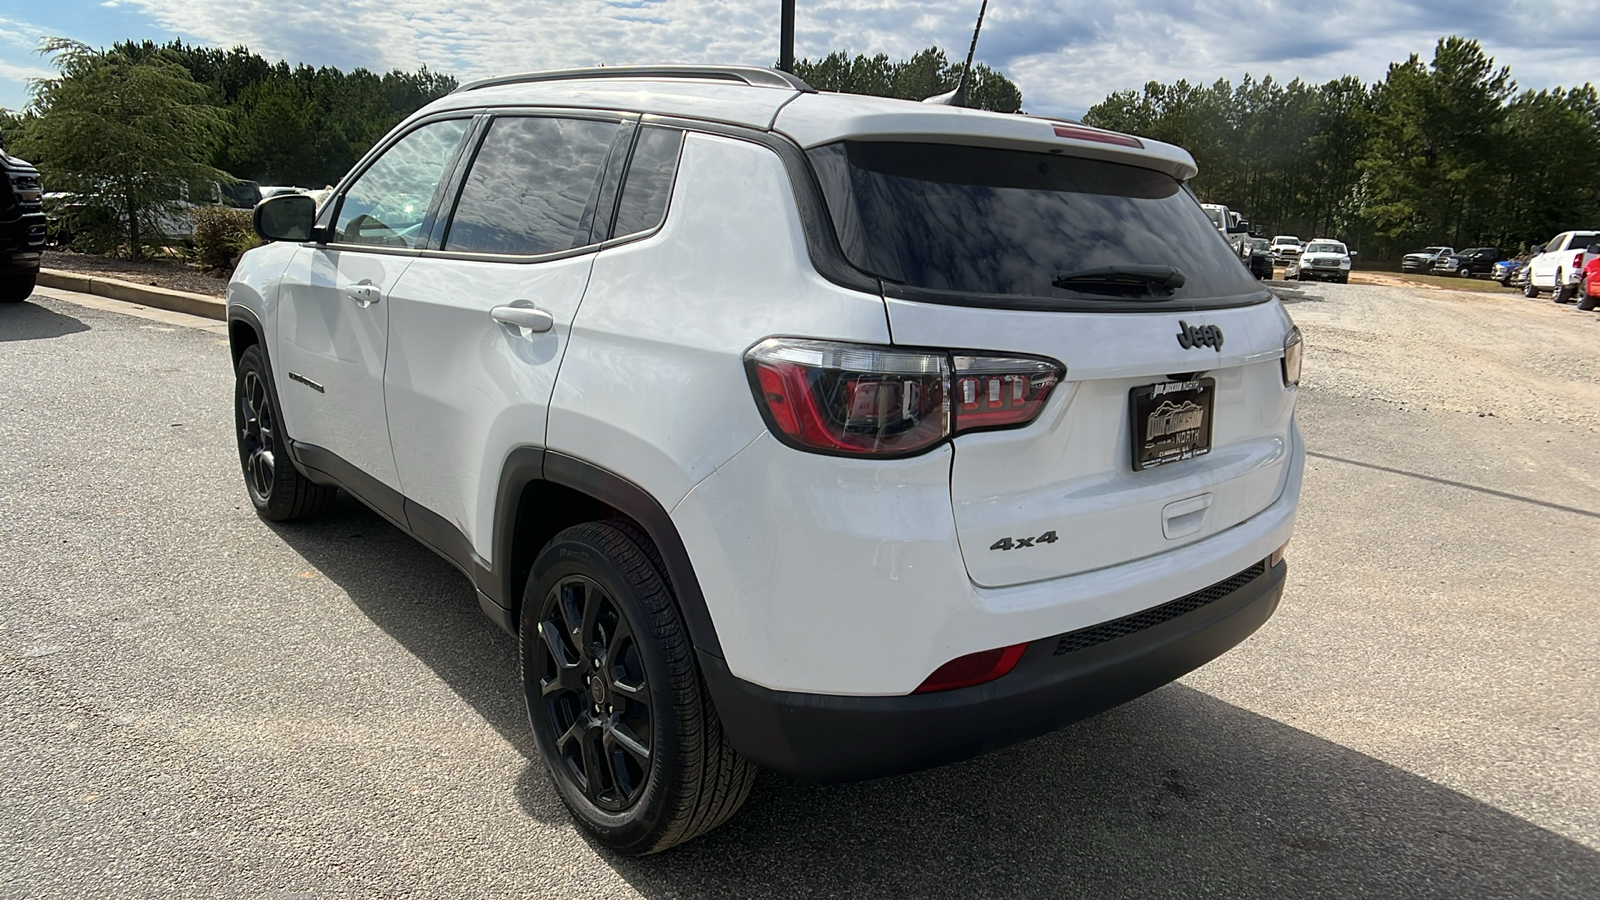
[{"x": 1084, "y": 638}]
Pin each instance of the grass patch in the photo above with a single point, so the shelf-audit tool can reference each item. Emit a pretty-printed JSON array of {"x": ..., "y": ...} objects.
[{"x": 1449, "y": 283}]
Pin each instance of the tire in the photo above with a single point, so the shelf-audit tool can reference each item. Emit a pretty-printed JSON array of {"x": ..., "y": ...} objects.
[
  {"x": 1464, "y": 272},
  {"x": 1560, "y": 293},
  {"x": 1528, "y": 289},
  {"x": 18, "y": 290},
  {"x": 640, "y": 775},
  {"x": 277, "y": 490},
  {"x": 1344, "y": 278},
  {"x": 1586, "y": 300}
]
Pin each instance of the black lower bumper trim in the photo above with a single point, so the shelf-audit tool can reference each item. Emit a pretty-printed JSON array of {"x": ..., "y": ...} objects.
[{"x": 834, "y": 738}]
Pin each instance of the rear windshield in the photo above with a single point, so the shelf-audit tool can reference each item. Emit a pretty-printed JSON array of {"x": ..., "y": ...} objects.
[
  {"x": 1324, "y": 247},
  {"x": 978, "y": 220}
]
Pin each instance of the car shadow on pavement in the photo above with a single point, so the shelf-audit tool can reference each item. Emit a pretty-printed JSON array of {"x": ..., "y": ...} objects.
[
  {"x": 30, "y": 322},
  {"x": 1175, "y": 794}
]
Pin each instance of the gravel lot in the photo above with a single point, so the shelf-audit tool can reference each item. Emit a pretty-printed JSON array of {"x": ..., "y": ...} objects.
[{"x": 196, "y": 704}]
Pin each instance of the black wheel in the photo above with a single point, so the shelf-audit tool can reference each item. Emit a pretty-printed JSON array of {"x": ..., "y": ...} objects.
[
  {"x": 277, "y": 490},
  {"x": 1560, "y": 293},
  {"x": 17, "y": 288},
  {"x": 1586, "y": 300},
  {"x": 619, "y": 711},
  {"x": 1344, "y": 278},
  {"x": 1528, "y": 290},
  {"x": 1464, "y": 272}
]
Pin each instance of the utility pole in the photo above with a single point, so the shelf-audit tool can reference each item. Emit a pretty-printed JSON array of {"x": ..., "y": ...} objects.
[{"x": 786, "y": 37}]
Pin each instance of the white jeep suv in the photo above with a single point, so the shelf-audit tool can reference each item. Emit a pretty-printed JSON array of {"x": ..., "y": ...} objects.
[{"x": 838, "y": 435}]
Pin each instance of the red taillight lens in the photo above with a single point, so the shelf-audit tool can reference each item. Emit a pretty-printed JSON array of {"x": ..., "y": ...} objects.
[
  {"x": 851, "y": 400},
  {"x": 1000, "y": 392},
  {"x": 974, "y": 668},
  {"x": 1577, "y": 262},
  {"x": 855, "y": 400}
]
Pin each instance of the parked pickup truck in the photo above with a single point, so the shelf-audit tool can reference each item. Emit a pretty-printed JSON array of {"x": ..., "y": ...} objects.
[
  {"x": 1559, "y": 267},
  {"x": 22, "y": 227},
  {"x": 1426, "y": 259},
  {"x": 1468, "y": 263}
]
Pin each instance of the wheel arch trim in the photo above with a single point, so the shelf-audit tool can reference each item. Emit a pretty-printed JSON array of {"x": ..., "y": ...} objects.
[{"x": 525, "y": 467}]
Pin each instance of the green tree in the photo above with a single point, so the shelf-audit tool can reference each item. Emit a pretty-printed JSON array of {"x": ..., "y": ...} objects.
[
  {"x": 926, "y": 74},
  {"x": 1432, "y": 150},
  {"x": 123, "y": 134}
]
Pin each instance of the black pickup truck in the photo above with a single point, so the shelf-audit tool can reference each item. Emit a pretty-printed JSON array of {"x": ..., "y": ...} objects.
[
  {"x": 1467, "y": 263},
  {"x": 22, "y": 229}
]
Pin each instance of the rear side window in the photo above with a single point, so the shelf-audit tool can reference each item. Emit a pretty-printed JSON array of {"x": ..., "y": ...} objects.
[
  {"x": 531, "y": 186},
  {"x": 977, "y": 220},
  {"x": 649, "y": 185}
]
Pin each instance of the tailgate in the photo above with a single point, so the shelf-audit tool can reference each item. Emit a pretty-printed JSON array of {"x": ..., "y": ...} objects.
[{"x": 1062, "y": 495}]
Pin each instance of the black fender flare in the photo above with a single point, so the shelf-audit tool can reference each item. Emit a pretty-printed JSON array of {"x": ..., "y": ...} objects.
[{"x": 526, "y": 465}]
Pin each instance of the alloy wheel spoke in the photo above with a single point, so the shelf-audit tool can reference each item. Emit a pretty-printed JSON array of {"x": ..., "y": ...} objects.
[
  {"x": 593, "y": 765},
  {"x": 571, "y": 598},
  {"x": 623, "y": 737}
]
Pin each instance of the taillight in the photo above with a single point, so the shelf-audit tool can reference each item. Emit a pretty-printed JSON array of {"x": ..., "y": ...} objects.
[
  {"x": 1001, "y": 391},
  {"x": 974, "y": 668},
  {"x": 1293, "y": 350},
  {"x": 1577, "y": 262},
  {"x": 857, "y": 400}
]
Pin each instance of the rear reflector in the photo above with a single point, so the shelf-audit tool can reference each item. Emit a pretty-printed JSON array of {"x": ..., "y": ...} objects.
[
  {"x": 1093, "y": 134},
  {"x": 974, "y": 668}
]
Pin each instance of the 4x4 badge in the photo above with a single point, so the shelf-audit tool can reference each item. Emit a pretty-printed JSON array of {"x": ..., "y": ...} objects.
[{"x": 1191, "y": 336}]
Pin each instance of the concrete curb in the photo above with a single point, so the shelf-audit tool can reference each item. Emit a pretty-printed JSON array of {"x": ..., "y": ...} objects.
[{"x": 142, "y": 294}]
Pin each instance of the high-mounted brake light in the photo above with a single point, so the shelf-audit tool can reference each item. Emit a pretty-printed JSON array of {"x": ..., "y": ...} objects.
[
  {"x": 855, "y": 400},
  {"x": 1078, "y": 133}
]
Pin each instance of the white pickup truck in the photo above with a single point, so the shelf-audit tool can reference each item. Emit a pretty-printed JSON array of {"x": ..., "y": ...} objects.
[{"x": 1559, "y": 266}]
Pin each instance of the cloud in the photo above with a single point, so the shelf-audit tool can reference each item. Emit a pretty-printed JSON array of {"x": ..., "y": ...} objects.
[{"x": 1065, "y": 56}]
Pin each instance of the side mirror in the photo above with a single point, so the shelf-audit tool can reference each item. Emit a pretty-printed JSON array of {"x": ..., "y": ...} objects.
[
  {"x": 1242, "y": 228},
  {"x": 1352, "y": 253},
  {"x": 286, "y": 217}
]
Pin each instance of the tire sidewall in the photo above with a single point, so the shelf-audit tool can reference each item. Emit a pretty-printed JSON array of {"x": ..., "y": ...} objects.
[
  {"x": 578, "y": 555},
  {"x": 273, "y": 506}
]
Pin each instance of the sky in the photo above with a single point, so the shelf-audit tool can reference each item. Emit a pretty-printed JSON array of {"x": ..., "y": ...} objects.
[{"x": 1064, "y": 56}]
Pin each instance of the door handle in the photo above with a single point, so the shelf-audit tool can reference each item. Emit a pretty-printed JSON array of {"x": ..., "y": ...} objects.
[
  {"x": 364, "y": 294},
  {"x": 531, "y": 318}
]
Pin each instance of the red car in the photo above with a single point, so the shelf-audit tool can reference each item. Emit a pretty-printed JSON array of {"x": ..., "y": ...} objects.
[{"x": 1589, "y": 285}]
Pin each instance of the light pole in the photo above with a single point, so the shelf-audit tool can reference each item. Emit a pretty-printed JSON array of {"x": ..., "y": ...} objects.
[{"x": 786, "y": 37}]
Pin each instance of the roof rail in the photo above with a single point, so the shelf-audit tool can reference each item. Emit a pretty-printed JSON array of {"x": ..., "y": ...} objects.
[{"x": 751, "y": 75}]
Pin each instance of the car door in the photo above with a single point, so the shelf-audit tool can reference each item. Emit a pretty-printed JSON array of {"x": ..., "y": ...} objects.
[
  {"x": 333, "y": 318},
  {"x": 479, "y": 326}
]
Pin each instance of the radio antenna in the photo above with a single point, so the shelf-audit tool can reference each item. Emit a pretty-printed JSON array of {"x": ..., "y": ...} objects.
[{"x": 958, "y": 97}]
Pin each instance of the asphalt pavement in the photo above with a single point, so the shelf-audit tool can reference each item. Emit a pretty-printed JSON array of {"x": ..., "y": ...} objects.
[{"x": 194, "y": 703}]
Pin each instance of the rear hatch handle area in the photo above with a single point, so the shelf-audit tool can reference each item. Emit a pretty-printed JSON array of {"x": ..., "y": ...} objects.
[{"x": 1182, "y": 518}]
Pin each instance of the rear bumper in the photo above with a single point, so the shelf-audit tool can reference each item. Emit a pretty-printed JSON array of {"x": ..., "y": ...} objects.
[{"x": 841, "y": 738}]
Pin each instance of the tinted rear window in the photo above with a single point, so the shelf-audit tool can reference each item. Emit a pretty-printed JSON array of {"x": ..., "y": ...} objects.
[
  {"x": 532, "y": 184},
  {"x": 977, "y": 220},
  {"x": 650, "y": 174}
]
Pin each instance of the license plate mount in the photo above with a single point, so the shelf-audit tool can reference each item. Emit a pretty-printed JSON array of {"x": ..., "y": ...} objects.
[{"x": 1171, "y": 421}]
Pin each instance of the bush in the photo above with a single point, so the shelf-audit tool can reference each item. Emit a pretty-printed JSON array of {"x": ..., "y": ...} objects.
[{"x": 220, "y": 235}]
